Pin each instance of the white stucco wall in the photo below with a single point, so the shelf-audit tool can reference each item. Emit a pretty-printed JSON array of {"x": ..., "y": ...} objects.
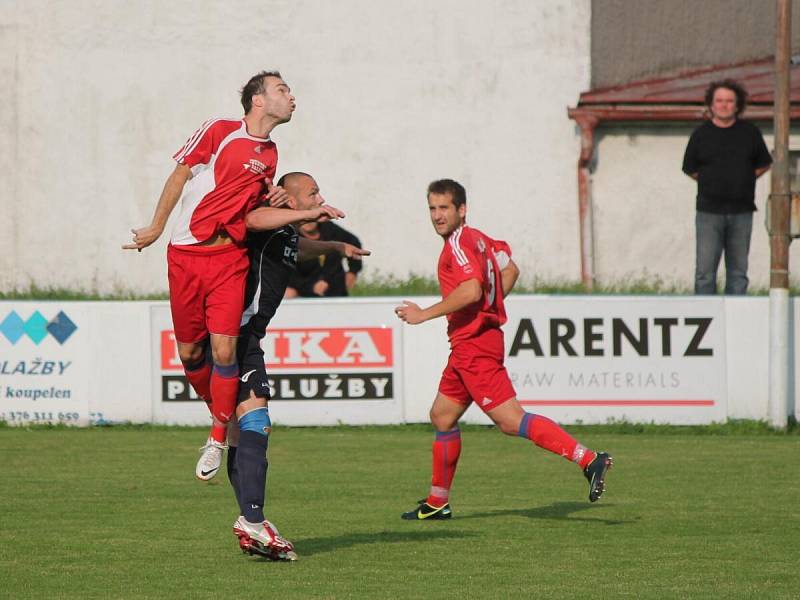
[
  {"x": 98, "y": 95},
  {"x": 645, "y": 208}
]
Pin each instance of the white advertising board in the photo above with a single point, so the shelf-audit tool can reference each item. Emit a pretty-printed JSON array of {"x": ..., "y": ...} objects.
[
  {"x": 329, "y": 362},
  {"x": 680, "y": 360},
  {"x": 597, "y": 359},
  {"x": 45, "y": 363}
]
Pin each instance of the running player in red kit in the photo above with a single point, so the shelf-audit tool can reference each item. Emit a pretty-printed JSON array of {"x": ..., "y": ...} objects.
[
  {"x": 222, "y": 171},
  {"x": 475, "y": 274}
]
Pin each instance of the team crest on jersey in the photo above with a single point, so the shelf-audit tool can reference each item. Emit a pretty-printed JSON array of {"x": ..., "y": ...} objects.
[
  {"x": 257, "y": 149},
  {"x": 255, "y": 166},
  {"x": 481, "y": 246}
]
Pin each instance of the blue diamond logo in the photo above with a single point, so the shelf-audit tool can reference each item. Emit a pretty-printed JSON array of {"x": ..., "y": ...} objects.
[
  {"x": 13, "y": 327},
  {"x": 61, "y": 327},
  {"x": 36, "y": 327}
]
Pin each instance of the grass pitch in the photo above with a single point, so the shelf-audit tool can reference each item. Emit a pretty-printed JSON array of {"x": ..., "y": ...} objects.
[{"x": 117, "y": 513}]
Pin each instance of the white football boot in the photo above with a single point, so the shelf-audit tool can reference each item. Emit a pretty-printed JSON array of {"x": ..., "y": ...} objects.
[
  {"x": 210, "y": 460},
  {"x": 263, "y": 539}
]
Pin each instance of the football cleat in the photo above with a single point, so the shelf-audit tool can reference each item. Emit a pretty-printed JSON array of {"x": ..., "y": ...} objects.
[
  {"x": 210, "y": 460},
  {"x": 426, "y": 511},
  {"x": 263, "y": 539},
  {"x": 595, "y": 473}
]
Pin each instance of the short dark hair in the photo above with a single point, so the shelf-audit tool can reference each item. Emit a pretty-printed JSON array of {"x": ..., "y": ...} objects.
[
  {"x": 728, "y": 84},
  {"x": 449, "y": 186},
  {"x": 287, "y": 176},
  {"x": 254, "y": 87}
]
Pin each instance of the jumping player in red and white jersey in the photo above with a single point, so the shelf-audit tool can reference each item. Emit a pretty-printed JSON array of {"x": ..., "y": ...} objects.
[
  {"x": 222, "y": 171},
  {"x": 475, "y": 274}
]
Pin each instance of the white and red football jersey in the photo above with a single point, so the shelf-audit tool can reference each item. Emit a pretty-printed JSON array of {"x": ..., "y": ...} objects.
[
  {"x": 229, "y": 169},
  {"x": 471, "y": 254}
]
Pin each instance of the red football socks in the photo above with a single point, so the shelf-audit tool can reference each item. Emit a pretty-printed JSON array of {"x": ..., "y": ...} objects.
[
  {"x": 446, "y": 450},
  {"x": 224, "y": 390},
  {"x": 199, "y": 376},
  {"x": 549, "y": 435}
]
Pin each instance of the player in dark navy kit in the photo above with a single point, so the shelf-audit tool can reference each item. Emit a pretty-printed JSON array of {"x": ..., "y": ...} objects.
[{"x": 274, "y": 248}]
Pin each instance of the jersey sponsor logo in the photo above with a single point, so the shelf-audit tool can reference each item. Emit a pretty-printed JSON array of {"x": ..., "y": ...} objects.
[
  {"x": 328, "y": 347},
  {"x": 255, "y": 166},
  {"x": 290, "y": 252},
  {"x": 37, "y": 327}
]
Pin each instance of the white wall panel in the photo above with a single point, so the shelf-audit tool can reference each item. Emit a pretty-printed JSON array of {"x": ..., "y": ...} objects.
[{"x": 97, "y": 96}]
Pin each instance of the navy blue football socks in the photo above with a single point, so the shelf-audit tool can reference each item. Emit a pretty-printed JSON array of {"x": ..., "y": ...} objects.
[{"x": 233, "y": 474}]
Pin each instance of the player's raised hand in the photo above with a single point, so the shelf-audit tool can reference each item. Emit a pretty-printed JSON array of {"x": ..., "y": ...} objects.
[
  {"x": 351, "y": 251},
  {"x": 327, "y": 213},
  {"x": 276, "y": 196},
  {"x": 409, "y": 312},
  {"x": 143, "y": 237}
]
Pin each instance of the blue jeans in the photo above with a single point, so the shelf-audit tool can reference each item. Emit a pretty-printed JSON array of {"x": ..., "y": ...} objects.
[{"x": 715, "y": 233}]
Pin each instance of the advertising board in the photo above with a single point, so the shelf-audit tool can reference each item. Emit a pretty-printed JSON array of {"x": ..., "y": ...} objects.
[{"x": 45, "y": 363}]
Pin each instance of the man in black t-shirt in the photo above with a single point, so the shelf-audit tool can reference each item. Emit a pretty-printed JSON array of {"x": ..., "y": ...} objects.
[
  {"x": 325, "y": 275},
  {"x": 274, "y": 247},
  {"x": 725, "y": 155}
]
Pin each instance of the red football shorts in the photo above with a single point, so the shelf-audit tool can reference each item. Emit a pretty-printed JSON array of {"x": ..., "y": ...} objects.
[
  {"x": 206, "y": 290},
  {"x": 475, "y": 372}
]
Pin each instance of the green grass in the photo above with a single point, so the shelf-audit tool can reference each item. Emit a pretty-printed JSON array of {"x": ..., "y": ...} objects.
[
  {"x": 61, "y": 294},
  {"x": 116, "y": 513},
  {"x": 378, "y": 284},
  {"x": 388, "y": 285}
]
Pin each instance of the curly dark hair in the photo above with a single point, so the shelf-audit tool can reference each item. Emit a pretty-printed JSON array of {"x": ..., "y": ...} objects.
[{"x": 728, "y": 84}]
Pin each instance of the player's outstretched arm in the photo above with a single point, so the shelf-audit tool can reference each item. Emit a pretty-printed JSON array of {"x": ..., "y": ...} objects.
[
  {"x": 467, "y": 292},
  {"x": 173, "y": 188},
  {"x": 307, "y": 249},
  {"x": 509, "y": 275},
  {"x": 268, "y": 217}
]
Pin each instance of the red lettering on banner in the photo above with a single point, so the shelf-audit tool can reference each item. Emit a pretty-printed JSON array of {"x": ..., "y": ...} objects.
[
  {"x": 329, "y": 347},
  {"x": 170, "y": 361},
  {"x": 313, "y": 347}
]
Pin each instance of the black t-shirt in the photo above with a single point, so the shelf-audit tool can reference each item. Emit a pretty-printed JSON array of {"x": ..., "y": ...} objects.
[
  {"x": 725, "y": 160},
  {"x": 327, "y": 267},
  {"x": 273, "y": 256}
]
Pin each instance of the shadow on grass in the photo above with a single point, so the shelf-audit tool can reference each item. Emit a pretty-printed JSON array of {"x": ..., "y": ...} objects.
[
  {"x": 558, "y": 511},
  {"x": 311, "y": 546}
]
